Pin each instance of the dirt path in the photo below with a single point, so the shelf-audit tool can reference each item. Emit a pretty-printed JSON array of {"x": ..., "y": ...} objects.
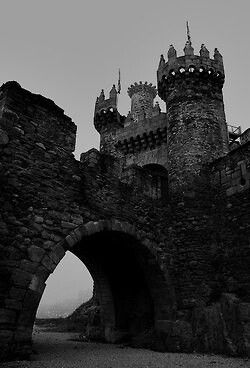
[{"x": 55, "y": 350}]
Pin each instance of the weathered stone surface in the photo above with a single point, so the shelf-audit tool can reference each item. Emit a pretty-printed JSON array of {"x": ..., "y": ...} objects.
[
  {"x": 7, "y": 317},
  {"x": 35, "y": 253},
  {"x": 21, "y": 278},
  {"x": 68, "y": 225},
  {"x": 4, "y": 139},
  {"x": 160, "y": 220},
  {"x": 175, "y": 335},
  {"x": 17, "y": 293}
]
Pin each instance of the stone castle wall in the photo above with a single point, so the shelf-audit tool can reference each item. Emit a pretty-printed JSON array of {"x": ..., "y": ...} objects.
[{"x": 189, "y": 253}]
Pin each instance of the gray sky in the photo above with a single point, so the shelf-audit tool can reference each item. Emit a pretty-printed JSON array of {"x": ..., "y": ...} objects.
[
  {"x": 69, "y": 285},
  {"x": 69, "y": 50}
]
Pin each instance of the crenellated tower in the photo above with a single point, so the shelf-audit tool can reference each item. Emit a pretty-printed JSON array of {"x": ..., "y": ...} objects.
[
  {"x": 107, "y": 119},
  {"x": 142, "y": 98},
  {"x": 191, "y": 85},
  {"x": 138, "y": 138}
]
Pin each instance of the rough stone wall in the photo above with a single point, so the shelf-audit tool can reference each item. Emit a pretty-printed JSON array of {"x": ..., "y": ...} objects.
[
  {"x": 142, "y": 97},
  {"x": 193, "y": 249},
  {"x": 140, "y": 143},
  {"x": 45, "y": 195},
  {"x": 196, "y": 128},
  {"x": 191, "y": 86},
  {"x": 230, "y": 181},
  {"x": 141, "y": 102}
]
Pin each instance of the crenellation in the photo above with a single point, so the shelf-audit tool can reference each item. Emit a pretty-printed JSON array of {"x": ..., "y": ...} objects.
[
  {"x": 164, "y": 194},
  {"x": 200, "y": 63}
]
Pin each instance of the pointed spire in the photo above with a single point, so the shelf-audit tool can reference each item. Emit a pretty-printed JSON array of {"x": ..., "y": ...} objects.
[
  {"x": 162, "y": 62},
  {"x": 217, "y": 55},
  {"x": 119, "y": 83},
  {"x": 188, "y": 49},
  {"x": 171, "y": 53},
  {"x": 102, "y": 96},
  {"x": 188, "y": 34},
  {"x": 113, "y": 92},
  {"x": 204, "y": 51}
]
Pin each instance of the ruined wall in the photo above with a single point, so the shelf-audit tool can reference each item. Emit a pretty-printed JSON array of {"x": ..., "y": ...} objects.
[
  {"x": 198, "y": 242},
  {"x": 45, "y": 195}
]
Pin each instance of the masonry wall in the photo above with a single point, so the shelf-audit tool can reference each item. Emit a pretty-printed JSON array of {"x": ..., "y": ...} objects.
[
  {"x": 231, "y": 182},
  {"x": 199, "y": 239},
  {"x": 45, "y": 194},
  {"x": 140, "y": 143}
]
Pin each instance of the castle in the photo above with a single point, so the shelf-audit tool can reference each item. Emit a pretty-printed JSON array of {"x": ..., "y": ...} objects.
[{"x": 160, "y": 215}]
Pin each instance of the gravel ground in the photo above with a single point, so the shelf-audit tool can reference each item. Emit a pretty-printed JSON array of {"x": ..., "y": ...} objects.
[{"x": 56, "y": 350}]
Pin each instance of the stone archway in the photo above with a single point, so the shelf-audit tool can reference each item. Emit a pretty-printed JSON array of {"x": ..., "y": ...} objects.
[{"x": 132, "y": 283}]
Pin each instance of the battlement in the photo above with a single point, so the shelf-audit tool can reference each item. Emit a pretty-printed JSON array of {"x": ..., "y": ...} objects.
[
  {"x": 106, "y": 104},
  {"x": 142, "y": 88},
  {"x": 142, "y": 100},
  {"x": 190, "y": 65}
]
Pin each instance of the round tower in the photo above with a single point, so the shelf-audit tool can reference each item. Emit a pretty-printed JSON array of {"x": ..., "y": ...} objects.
[
  {"x": 191, "y": 85},
  {"x": 142, "y": 98}
]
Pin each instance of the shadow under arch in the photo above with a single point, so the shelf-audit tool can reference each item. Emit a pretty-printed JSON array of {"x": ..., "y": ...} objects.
[{"x": 131, "y": 281}]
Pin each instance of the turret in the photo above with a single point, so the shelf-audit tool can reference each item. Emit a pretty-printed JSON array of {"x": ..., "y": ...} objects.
[
  {"x": 142, "y": 99},
  {"x": 107, "y": 119},
  {"x": 191, "y": 85},
  {"x": 105, "y": 104}
]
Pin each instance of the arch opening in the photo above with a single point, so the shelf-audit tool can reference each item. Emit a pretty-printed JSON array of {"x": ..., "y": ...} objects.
[
  {"x": 121, "y": 284},
  {"x": 132, "y": 288},
  {"x": 67, "y": 288}
]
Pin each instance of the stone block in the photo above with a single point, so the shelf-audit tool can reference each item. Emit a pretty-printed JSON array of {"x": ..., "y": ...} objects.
[
  {"x": 29, "y": 266},
  {"x": 41, "y": 145},
  {"x": 91, "y": 227},
  {"x": 4, "y": 139},
  {"x": 48, "y": 263},
  {"x": 77, "y": 219},
  {"x": 68, "y": 225},
  {"x": 35, "y": 253},
  {"x": 48, "y": 244},
  {"x": 57, "y": 254},
  {"x": 231, "y": 191},
  {"x": 55, "y": 238},
  {"x": 70, "y": 241},
  {"x": 21, "y": 278},
  {"x": 38, "y": 219},
  {"x": 77, "y": 234}
]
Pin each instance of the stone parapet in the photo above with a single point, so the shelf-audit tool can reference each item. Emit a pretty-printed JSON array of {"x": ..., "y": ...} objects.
[
  {"x": 200, "y": 67},
  {"x": 23, "y": 113}
]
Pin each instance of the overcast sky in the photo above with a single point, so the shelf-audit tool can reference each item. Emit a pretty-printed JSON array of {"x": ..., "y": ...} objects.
[{"x": 69, "y": 50}]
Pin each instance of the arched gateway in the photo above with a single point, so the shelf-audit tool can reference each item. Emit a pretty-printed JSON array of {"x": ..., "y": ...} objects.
[{"x": 132, "y": 286}]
